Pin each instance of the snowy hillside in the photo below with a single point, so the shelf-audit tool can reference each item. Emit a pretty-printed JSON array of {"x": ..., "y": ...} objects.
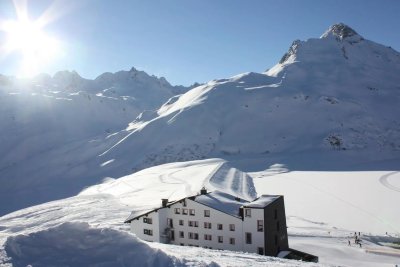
[
  {"x": 90, "y": 226},
  {"x": 60, "y": 228},
  {"x": 331, "y": 103},
  {"x": 53, "y": 126}
]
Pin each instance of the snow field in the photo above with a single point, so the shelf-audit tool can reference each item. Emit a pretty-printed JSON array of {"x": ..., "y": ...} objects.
[{"x": 313, "y": 227}]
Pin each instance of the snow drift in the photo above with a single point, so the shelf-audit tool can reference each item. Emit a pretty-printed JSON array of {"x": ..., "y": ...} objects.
[{"x": 78, "y": 244}]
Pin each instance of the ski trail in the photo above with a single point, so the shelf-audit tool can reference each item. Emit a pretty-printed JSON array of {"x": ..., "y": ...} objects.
[
  {"x": 179, "y": 181},
  {"x": 384, "y": 181},
  {"x": 328, "y": 193},
  {"x": 211, "y": 179}
]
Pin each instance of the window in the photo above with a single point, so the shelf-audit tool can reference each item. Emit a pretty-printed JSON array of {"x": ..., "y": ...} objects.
[
  {"x": 194, "y": 236},
  {"x": 276, "y": 214},
  {"x": 207, "y": 225},
  {"x": 191, "y": 212},
  {"x": 170, "y": 223},
  {"x": 260, "y": 225},
  {"x": 248, "y": 238},
  {"x": 193, "y": 224},
  {"x": 177, "y": 211},
  {"x": 260, "y": 250},
  {"x": 148, "y": 231},
  {"x": 231, "y": 227},
  {"x": 247, "y": 212},
  {"x": 232, "y": 241},
  {"x": 181, "y": 234},
  {"x": 148, "y": 220},
  {"x": 207, "y": 237},
  {"x": 172, "y": 235},
  {"x": 180, "y": 222},
  {"x": 184, "y": 211},
  {"x": 219, "y": 226},
  {"x": 184, "y": 203},
  {"x": 220, "y": 239},
  {"x": 277, "y": 226},
  {"x": 206, "y": 213}
]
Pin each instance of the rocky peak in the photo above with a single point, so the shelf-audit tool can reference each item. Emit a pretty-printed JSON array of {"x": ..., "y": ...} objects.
[
  {"x": 341, "y": 31},
  {"x": 291, "y": 52}
]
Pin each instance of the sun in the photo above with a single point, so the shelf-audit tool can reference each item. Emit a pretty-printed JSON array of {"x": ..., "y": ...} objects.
[{"x": 27, "y": 38}]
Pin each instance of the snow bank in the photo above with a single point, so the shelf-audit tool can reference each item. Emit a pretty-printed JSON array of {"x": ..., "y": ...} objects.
[
  {"x": 175, "y": 181},
  {"x": 78, "y": 244}
]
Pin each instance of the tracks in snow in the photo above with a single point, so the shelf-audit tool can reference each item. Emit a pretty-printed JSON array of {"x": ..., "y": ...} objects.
[{"x": 384, "y": 181}]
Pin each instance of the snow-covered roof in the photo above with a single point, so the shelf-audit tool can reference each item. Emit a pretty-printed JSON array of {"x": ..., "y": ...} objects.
[
  {"x": 217, "y": 200},
  {"x": 262, "y": 201},
  {"x": 135, "y": 215},
  {"x": 222, "y": 201}
]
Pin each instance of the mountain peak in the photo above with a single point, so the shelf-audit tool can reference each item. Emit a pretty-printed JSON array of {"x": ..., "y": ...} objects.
[{"x": 341, "y": 31}]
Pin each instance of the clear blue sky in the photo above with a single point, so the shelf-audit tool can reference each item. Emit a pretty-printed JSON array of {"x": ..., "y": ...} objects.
[{"x": 190, "y": 41}]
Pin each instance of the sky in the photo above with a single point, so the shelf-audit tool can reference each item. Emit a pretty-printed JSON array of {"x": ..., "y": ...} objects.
[{"x": 185, "y": 41}]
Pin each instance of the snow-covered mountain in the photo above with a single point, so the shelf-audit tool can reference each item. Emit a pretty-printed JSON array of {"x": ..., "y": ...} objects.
[
  {"x": 52, "y": 126},
  {"x": 330, "y": 102}
]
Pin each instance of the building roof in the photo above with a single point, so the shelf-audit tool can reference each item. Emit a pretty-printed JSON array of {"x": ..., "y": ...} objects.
[
  {"x": 217, "y": 200},
  {"x": 262, "y": 201},
  {"x": 221, "y": 201},
  {"x": 136, "y": 215}
]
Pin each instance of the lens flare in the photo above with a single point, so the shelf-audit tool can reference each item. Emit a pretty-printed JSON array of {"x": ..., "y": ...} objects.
[{"x": 28, "y": 39}]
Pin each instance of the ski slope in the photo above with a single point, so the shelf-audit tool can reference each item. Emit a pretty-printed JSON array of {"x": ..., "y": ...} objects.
[{"x": 321, "y": 218}]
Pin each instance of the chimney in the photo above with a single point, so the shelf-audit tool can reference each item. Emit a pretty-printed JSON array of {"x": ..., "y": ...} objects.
[
  {"x": 164, "y": 202},
  {"x": 241, "y": 212},
  {"x": 203, "y": 191}
]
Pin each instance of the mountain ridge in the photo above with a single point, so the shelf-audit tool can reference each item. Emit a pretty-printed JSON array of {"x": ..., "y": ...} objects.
[
  {"x": 343, "y": 82},
  {"x": 330, "y": 105}
]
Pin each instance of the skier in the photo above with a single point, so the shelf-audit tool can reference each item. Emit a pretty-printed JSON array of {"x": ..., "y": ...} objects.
[{"x": 349, "y": 242}]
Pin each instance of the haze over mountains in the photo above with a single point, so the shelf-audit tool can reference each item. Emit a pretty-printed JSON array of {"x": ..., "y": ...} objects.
[{"x": 331, "y": 103}]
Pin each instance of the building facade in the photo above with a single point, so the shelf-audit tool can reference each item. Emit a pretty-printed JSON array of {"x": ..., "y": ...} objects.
[{"x": 217, "y": 220}]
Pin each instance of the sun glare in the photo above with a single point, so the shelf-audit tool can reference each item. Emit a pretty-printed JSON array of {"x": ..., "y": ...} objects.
[{"x": 30, "y": 41}]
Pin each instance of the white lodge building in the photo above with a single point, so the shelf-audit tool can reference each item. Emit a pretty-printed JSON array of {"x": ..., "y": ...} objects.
[{"x": 219, "y": 221}]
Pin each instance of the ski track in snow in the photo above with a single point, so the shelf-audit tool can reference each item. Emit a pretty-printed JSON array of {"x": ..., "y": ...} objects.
[
  {"x": 182, "y": 182},
  {"x": 384, "y": 181},
  {"x": 350, "y": 203}
]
